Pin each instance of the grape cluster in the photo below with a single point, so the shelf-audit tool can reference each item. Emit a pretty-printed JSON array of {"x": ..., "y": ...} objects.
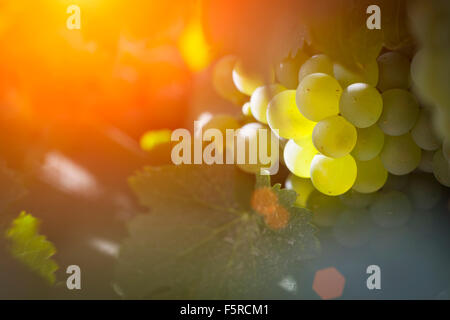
[{"x": 341, "y": 128}]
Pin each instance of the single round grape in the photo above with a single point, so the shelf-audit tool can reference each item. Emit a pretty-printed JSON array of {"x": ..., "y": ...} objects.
[
  {"x": 222, "y": 79},
  {"x": 393, "y": 71},
  {"x": 426, "y": 161},
  {"x": 400, "y": 155},
  {"x": 353, "y": 228},
  {"x": 347, "y": 76},
  {"x": 361, "y": 104},
  {"x": 298, "y": 159},
  {"x": 441, "y": 168},
  {"x": 318, "y": 96},
  {"x": 357, "y": 200},
  {"x": 325, "y": 209},
  {"x": 303, "y": 187},
  {"x": 333, "y": 176},
  {"x": 260, "y": 100},
  {"x": 391, "y": 209},
  {"x": 283, "y": 115},
  {"x": 371, "y": 176},
  {"x": 425, "y": 191},
  {"x": 400, "y": 112},
  {"x": 334, "y": 137},
  {"x": 318, "y": 63},
  {"x": 423, "y": 133},
  {"x": 287, "y": 71},
  {"x": 369, "y": 143},
  {"x": 246, "y": 109},
  {"x": 250, "y": 132},
  {"x": 446, "y": 148},
  {"x": 247, "y": 78}
]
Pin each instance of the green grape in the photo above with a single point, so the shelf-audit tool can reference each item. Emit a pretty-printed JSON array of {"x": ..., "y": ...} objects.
[
  {"x": 325, "y": 209},
  {"x": 357, "y": 200},
  {"x": 284, "y": 116},
  {"x": 246, "y": 109},
  {"x": 287, "y": 71},
  {"x": 400, "y": 112},
  {"x": 391, "y": 209},
  {"x": 446, "y": 148},
  {"x": 333, "y": 176},
  {"x": 371, "y": 176},
  {"x": 395, "y": 182},
  {"x": 247, "y": 78},
  {"x": 347, "y": 76},
  {"x": 334, "y": 137},
  {"x": 303, "y": 187},
  {"x": 423, "y": 133},
  {"x": 353, "y": 228},
  {"x": 400, "y": 155},
  {"x": 318, "y": 96},
  {"x": 369, "y": 143},
  {"x": 250, "y": 132},
  {"x": 319, "y": 63},
  {"x": 393, "y": 71},
  {"x": 361, "y": 104},
  {"x": 298, "y": 159},
  {"x": 441, "y": 168},
  {"x": 261, "y": 98},
  {"x": 425, "y": 191},
  {"x": 426, "y": 161},
  {"x": 222, "y": 80}
]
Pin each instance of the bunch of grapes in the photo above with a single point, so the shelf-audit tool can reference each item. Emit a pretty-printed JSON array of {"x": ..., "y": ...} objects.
[{"x": 343, "y": 131}]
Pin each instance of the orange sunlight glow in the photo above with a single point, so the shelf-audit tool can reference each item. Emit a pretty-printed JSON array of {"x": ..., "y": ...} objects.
[{"x": 192, "y": 44}]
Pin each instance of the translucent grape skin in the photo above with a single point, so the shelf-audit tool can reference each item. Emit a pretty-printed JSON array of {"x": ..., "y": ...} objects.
[
  {"x": 423, "y": 132},
  {"x": 361, "y": 104},
  {"x": 318, "y": 96},
  {"x": 287, "y": 71},
  {"x": 400, "y": 112},
  {"x": 283, "y": 115},
  {"x": 371, "y": 176},
  {"x": 347, "y": 76},
  {"x": 298, "y": 159},
  {"x": 246, "y": 109},
  {"x": 303, "y": 187},
  {"x": 333, "y": 177},
  {"x": 334, "y": 137},
  {"x": 441, "y": 168},
  {"x": 394, "y": 71},
  {"x": 222, "y": 80},
  {"x": 247, "y": 78},
  {"x": 260, "y": 100},
  {"x": 400, "y": 155},
  {"x": 318, "y": 63},
  {"x": 391, "y": 209},
  {"x": 250, "y": 133},
  {"x": 446, "y": 148},
  {"x": 369, "y": 143}
]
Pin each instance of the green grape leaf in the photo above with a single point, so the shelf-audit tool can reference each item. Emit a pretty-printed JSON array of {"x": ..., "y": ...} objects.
[
  {"x": 203, "y": 240},
  {"x": 31, "y": 248},
  {"x": 11, "y": 187},
  {"x": 338, "y": 29}
]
